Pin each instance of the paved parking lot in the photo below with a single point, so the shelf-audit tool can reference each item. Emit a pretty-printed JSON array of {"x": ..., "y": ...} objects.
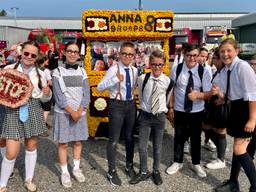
[{"x": 94, "y": 165}]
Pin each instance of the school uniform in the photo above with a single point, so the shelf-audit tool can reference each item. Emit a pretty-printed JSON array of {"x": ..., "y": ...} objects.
[
  {"x": 152, "y": 121},
  {"x": 242, "y": 89},
  {"x": 71, "y": 88},
  {"x": 2, "y": 113},
  {"x": 239, "y": 83},
  {"x": 122, "y": 110},
  {"x": 13, "y": 127},
  {"x": 47, "y": 105},
  {"x": 188, "y": 123}
]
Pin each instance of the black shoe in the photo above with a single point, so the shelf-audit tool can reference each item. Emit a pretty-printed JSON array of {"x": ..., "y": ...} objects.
[
  {"x": 157, "y": 179},
  {"x": 113, "y": 178},
  {"x": 252, "y": 190},
  {"x": 130, "y": 172},
  {"x": 228, "y": 186},
  {"x": 139, "y": 177},
  {"x": 12, "y": 175}
]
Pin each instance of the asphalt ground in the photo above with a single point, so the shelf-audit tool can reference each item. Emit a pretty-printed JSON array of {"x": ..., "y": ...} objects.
[{"x": 94, "y": 166}]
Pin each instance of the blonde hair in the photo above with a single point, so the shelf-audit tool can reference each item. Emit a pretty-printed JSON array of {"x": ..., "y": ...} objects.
[{"x": 229, "y": 41}]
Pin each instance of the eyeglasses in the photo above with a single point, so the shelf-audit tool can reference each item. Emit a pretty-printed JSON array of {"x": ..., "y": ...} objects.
[
  {"x": 129, "y": 55},
  {"x": 189, "y": 55},
  {"x": 155, "y": 65},
  {"x": 32, "y": 55},
  {"x": 71, "y": 51}
]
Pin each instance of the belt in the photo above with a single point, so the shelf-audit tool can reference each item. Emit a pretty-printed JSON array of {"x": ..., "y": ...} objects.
[
  {"x": 122, "y": 101},
  {"x": 151, "y": 114}
]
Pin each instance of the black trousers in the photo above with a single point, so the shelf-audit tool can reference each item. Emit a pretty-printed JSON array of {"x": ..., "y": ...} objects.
[
  {"x": 122, "y": 114},
  {"x": 187, "y": 124}
]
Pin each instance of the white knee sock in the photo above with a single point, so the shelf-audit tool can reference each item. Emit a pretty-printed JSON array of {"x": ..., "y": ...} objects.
[
  {"x": 76, "y": 164},
  {"x": 30, "y": 164},
  {"x": 6, "y": 171},
  {"x": 3, "y": 151},
  {"x": 64, "y": 168}
]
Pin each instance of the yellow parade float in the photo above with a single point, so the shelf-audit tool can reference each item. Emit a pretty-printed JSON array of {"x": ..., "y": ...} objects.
[{"x": 104, "y": 31}]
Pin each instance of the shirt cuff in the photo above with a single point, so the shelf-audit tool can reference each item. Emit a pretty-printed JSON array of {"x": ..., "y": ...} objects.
[{"x": 250, "y": 96}]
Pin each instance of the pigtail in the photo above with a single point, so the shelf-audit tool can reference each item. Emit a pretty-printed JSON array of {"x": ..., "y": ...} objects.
[
  {"x": 39, "y": 77},
  {"x": 17, "y": 64}
]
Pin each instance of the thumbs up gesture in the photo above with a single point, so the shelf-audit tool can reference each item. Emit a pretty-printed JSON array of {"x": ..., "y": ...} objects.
[
  {"x": 120, "y": 76},
  {"x": 193, "y": 95}
]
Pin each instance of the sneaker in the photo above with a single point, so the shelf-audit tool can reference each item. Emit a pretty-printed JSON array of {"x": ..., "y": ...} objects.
[
  {"x": 199, "y": 170},
  {"x": 79, "y": 176},
  {"x": 174, "y": 168},
  {"x": 113, "y": 178},
  {"x": 3, "y": 189},
  {"x": 130, "y": 172},
  {"x": 157, "y": 179},
  {"x": 216, "y": 164},
  {"x": 66, "y": 180},
  {"x": 30, "y": 186},
  {"x": 210, "y": 146},
  {"x": 140, "y": 177},
  {"x": 186, "y": 147},
  {"x": 227, "y": 186}
]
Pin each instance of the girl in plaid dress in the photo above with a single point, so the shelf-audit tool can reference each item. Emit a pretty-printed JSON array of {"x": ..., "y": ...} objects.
[
  {"x": 15, "y": 127},
  {"x": 72, "y": 95}
]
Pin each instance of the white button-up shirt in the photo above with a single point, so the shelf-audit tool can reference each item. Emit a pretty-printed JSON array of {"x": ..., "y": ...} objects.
[
  {"x": 181, "y": 85},
  {"x": 110, "y": 81},
  {"x": 242, "y": 81},
  {"x": 146, "y": 98}
]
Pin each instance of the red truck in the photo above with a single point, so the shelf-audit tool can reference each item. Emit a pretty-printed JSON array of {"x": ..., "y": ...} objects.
[
  {"x": 213, "y": 34},
  {"x": 180, "y": 36},
  {"x": 44, "y": 37},
  {"x": 66, "y": 37}
]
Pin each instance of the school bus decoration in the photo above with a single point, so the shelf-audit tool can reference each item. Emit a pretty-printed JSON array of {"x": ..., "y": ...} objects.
[{"x": 114, "y": 26}]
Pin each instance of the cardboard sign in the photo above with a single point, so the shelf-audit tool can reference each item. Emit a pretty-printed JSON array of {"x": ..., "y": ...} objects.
[{"x": 15, "y": 88}]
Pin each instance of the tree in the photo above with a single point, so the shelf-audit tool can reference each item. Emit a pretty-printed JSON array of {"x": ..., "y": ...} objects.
[{"x": 3, "y": 13}]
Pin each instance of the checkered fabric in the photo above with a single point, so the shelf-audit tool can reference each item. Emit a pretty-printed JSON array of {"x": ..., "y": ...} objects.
[{"x": 13, "y": 128}]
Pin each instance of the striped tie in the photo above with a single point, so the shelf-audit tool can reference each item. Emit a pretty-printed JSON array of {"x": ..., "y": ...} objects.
[{"x": 155, "y": 98}]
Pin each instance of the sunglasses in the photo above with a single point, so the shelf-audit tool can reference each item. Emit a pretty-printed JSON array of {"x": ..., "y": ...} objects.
[
  {"x": 32, "y": 55},
  {"x": 155, "y": 65},
  {"x": 129, "y": 55},
  {"x": 71, "y": 51}
]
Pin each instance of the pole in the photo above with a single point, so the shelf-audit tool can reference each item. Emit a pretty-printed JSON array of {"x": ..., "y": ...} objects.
[
  {"x": 15, "y": 14},
  {"x": 140, "y": 6}
]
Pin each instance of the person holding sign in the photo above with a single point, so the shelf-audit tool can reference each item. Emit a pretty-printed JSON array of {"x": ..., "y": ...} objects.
[
  {"x": 121, "y": 80},
  {"x": 25, "y": 121}
]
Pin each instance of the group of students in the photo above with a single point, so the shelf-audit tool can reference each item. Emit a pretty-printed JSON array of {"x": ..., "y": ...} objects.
[
  {"x": 191, "y": 84},
  {"x": 72, "y": 96},
  {"x": 181, "y": 97}
]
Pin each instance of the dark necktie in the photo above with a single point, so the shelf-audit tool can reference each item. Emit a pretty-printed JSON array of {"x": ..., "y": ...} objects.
[
  {"x": 188, "y": 103},
  {"x": 128, "y": 84},
  {"x": 228, "y": 85},
  {"x": 68, "y": 66},
  {"x": 155, "y": 98}
]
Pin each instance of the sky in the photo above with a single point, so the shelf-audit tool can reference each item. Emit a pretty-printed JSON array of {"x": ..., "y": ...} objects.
[{"x": 74, "y": 8}]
